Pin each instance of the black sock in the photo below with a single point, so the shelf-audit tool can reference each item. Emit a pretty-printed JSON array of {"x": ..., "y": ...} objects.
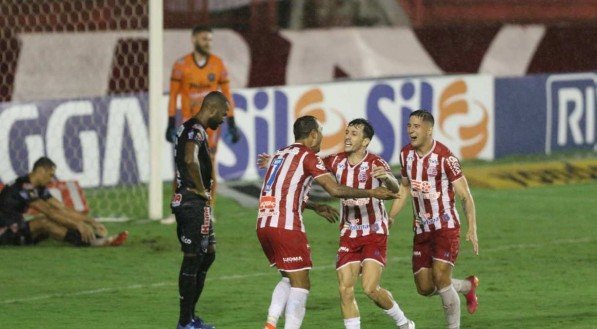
[
  {"x": 74, "y": 237},
  {"x": 208, "y": 259},
  {"x": 187, "y": 287}
]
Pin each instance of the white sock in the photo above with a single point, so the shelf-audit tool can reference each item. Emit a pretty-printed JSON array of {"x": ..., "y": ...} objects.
[
  {"x": 295, "y": 308},
  {"x": 279, "y": 299},
  {"x": 461, "y": 286},
  {"x": 396, "y": 313},
  {"x": 451, "y": 303},
  {"x": 352, "y": 323}
]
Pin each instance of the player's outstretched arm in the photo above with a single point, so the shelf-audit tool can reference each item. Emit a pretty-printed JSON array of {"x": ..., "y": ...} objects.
[
  {"x": 330, "y": 185},
  {"x": 464, "y": 193},
  {"x": 399, "y": 202},
  {"x": 331, "y": 214},
  {"x": 382, "y": 173}
]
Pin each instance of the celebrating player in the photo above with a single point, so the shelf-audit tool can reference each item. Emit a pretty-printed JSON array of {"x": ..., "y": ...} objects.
[
  {"x": 191, "y": 204},
  {"x": 55, "y": 219},
  {"x": 432, "y": 175},
  {"x": 280, "y": 227},
  {"x": 364, "y": 227},
  {"x": 194, "y": 76}
]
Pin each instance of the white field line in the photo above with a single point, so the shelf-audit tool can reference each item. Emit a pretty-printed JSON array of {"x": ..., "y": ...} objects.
[{"x": 269, "y": 273}]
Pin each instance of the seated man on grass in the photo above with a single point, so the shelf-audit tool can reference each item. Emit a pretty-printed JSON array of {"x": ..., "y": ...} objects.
[{"x": 54, "y": 220}]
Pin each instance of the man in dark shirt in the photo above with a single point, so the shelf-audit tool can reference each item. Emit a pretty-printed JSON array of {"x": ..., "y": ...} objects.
[
  {"x": 191, "y": 204},
  {"x": 55, "y": 220}
]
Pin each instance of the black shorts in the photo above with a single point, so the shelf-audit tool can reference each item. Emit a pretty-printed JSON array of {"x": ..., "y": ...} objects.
[
  {"x": 194, "y": 226},
  {"x": 16, "y": 235}
]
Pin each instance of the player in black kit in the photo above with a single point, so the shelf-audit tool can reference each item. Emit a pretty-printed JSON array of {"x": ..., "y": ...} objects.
[
  {"x": 54, "y": 220},
  {"x": 191, "y": 204}
]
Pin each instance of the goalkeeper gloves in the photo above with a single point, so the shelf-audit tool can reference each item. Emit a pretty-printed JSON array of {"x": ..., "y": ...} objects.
[
  {"x": 171, "y": 131},
  {"x": 233, "y": 132}
]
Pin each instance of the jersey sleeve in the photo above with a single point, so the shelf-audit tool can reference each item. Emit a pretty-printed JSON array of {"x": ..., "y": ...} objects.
[
  {"x": 195, "y": 135},
  {"x": 402, "y": 166},
  {"x": 175, "y": 85},
  {"x": 452, "y": 167},
  {"x": 314, "y": 166},
  {"x": 328, "y": 162},
  {"x": 382, "y": 163}
]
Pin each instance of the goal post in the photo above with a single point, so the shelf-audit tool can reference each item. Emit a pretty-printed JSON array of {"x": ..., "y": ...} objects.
[{"x": 156, "y": 136}]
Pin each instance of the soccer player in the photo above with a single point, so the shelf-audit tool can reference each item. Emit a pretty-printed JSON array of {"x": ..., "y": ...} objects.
[
  {"x": 194, "y": 76},
  {"x": 191, "y": 204},
  {"x": 55, "y": 219},
  {"x": 280, "y": 227},
  {"x": 432, "y": 175},
  {"x": 364, "y": 226}
]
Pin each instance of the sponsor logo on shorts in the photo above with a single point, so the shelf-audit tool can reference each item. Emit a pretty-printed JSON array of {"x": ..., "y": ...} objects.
[
  {"x": 417, "y": 253},
  {"x": 355, "y": 202},
  {"x": 185, "y": 240},
  {"x": 343, "y": 249},
  {"x": 294, "y": 259}
]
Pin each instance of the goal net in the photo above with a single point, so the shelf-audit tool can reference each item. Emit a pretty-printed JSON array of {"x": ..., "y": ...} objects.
[{"x": 74, "y": 88}]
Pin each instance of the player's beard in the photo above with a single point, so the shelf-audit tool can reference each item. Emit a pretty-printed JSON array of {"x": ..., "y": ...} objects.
[
  {"x": 213, "y": 124},
  {"x": 201, "y": 50}
]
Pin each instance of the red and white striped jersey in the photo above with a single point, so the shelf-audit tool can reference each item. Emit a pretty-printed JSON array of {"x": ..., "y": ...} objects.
[
  {"x": 286, "y": 186},
  {"x": 431, "y": 177},
  {"x": 361, "y": 216}
]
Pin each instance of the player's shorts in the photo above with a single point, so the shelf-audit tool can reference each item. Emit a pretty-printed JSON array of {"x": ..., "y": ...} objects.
[
  {"x": 368, "y": 247},
  {"x": 16, "y": 235},
  {"x": 288, "y": 250},
  {"x": 194, "y": 226},
  {"x": 441, "y": 245}
]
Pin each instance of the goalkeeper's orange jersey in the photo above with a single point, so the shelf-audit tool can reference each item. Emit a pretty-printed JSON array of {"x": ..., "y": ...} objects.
[{"x": 193, "y": 82}]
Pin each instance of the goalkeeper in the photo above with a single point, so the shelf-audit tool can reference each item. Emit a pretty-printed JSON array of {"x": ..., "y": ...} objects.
[
  {"x": 194, "y": 76},
  {"x": 55, "y": 219}
]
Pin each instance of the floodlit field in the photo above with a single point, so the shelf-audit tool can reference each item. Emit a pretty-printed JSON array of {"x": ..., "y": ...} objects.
[{"x": 537, "y": 265}]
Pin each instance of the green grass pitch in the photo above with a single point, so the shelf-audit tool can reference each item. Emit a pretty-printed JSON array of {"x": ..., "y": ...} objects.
[{"x": 537, "y": 265}]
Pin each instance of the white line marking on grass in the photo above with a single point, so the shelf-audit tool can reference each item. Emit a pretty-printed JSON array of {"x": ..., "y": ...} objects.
[{"x": 268, "y": 273}]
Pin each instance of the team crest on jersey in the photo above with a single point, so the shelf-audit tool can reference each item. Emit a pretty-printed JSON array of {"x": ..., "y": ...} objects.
[
  {"x": 364, "y": 166},
  {"x": 176, "y": 200},
  {"x": 432, "y": 171},
  {"x": 211, "y": 77},
  {"x": 363, "y": 176}
]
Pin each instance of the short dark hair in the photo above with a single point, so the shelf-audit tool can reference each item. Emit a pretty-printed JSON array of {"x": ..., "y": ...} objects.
[
  {"x": 214, "y": 97},
  {"x": 303, "y": 126},
  {"x": 44, "y": 162},
  {"x": 423, "y": 115},
  {"x": 368, "y": 131},
  {"x": 201, "y": 28}
]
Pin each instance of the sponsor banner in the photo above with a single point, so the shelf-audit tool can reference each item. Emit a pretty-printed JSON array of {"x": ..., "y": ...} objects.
[
  {"x": 545, "y": 114},
  {"x": 104, "y": 141},
  {"x": 533, "y": 174},
  {"x": 462, "y": 106}
]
